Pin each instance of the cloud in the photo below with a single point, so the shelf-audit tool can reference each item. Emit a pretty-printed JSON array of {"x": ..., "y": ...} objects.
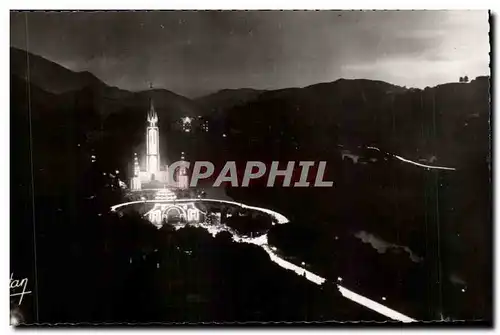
[
  {"x": 271, "y": 49},
  {"x": 383, "y": 246}
]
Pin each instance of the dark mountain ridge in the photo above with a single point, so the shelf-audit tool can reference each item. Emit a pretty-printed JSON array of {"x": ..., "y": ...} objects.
[
  {"x": 218, "y": 102},
  {"x": 440, "y": 121},
  {"x": 411, "y": 122},
  {"x": 48, "y": 75},
  {"x": 77, "y": 88}
]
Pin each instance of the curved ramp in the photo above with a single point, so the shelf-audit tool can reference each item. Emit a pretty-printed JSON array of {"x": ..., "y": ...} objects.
[{"x": 279, "y": 217}]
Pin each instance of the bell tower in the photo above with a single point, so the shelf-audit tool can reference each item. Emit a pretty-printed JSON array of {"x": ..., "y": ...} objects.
[
  {"x": 152, "y": 143},
  {"x": 153, "y": 176}
]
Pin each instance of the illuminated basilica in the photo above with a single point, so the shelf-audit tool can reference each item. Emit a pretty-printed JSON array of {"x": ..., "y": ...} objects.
[{"x": 155, "y": 176}]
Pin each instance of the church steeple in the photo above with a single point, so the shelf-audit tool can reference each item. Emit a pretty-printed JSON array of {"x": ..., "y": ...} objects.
[
  {"x": 152, "y": 142},
  {"x": 152, "y": 116},
  {"x": 153, "y": 173}
]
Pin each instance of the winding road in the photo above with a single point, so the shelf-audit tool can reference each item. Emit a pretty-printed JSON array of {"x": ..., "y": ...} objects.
[
  {"x": 262, "y": 242},
  {"x": 430, "y": 167}
]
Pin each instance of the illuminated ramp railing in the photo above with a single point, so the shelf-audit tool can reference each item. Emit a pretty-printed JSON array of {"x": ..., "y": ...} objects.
[{"x": 280, "y": 218}]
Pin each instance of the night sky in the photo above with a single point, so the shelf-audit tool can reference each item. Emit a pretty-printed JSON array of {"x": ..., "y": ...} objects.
[{"x": 195, "y": 53}]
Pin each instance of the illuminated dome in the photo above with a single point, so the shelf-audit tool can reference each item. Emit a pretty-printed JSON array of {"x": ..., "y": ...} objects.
[{"x": 165, "y": 194}]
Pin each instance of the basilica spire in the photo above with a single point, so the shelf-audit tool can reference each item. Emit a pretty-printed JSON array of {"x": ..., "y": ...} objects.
[{"x": 152, "y": 116}]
